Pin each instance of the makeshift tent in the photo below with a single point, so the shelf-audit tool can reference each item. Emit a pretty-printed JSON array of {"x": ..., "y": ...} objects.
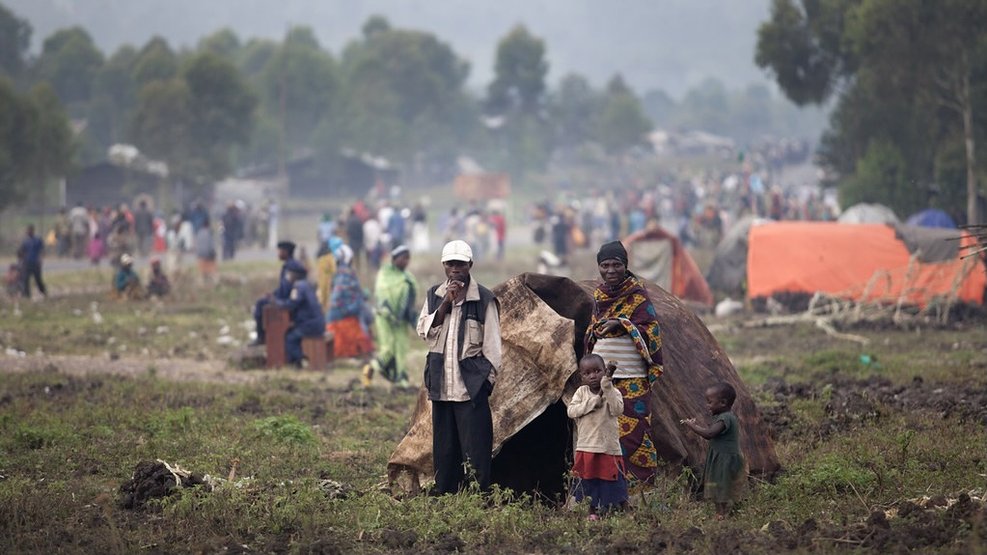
[
  {"x": 728, "y": 272},
  {"x": 862, "y": 262},
  {"x": 864, "y": 213},
  {"x": 543, "y": 319},
  {"x": 658, "y": 256},
  {"x": 932, "y": 217}
]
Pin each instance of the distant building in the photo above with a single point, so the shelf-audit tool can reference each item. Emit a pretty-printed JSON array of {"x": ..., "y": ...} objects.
[
  {"x": 690, "y": 143},
  {"x": 124, "y": 175},
  {"x": 351, "y": 174},
  {"x": 107, "y": 183}
]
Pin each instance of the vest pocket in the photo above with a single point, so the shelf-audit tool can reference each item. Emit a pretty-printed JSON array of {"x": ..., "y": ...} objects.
[{"x": 472, "y": 339}]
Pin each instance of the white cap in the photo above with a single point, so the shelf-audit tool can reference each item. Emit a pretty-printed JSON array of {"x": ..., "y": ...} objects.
[{"x": 457, "y": 250}]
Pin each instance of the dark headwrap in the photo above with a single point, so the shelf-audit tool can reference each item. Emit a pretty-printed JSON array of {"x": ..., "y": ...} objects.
[
  {"x": 287, "y": 246},
  {"x": 612, "y": 250}
]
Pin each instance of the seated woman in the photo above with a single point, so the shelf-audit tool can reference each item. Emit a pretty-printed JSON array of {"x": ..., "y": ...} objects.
[
  {"x": 346, "y": 303},
  {"x": 304, "y": 309},
  {"x": 625, "y": 330},
  {"x": 126, "y": 283}
]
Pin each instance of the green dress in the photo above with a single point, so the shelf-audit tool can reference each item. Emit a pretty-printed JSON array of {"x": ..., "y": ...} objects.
[
  {"x": 724, "y": 472},
  {"x": 396, "y": 312}
]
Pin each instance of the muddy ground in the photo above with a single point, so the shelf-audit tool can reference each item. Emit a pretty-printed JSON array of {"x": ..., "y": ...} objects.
[{"x": 897, "y": 411}]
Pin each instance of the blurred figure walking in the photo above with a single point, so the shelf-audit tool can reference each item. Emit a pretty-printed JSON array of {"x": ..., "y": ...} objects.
[
  {"x": 396, "y": 313},
  {"x": 30, "y": 252}
]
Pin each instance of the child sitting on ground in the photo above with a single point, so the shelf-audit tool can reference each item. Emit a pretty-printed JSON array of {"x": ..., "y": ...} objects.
[
  {"x": 599, "y": 464},
  {"x": 724, "y": 473},
  {"x": 158, "y": 284},
  {"x": 12, "y": 281}
]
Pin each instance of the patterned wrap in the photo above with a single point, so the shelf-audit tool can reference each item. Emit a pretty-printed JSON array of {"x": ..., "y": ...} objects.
[
  {"x": 347, "y": 296},
  {"x": 629, "y": 303}
]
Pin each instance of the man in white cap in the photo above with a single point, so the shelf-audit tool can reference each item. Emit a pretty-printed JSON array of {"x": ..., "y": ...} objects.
[{"x": 460, "y": 322}]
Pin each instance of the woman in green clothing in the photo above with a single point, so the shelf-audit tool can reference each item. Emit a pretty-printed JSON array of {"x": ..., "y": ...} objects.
[
  {"x": 395, "y": 314},
  {"x": 725, "y": 470}
]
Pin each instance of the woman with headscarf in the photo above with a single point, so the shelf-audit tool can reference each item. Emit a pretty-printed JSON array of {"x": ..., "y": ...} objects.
[
  {"x": 346, "y": 304},
  {"x": 325, "y": 268},
  {"x": 395, "y": 315},
  {"x": 625, "y": 330}
]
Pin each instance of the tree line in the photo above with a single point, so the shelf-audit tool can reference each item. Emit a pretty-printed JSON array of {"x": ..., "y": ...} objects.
[
  {"x": 909, "y": 81},
  {"x": 230, "y": 103}
]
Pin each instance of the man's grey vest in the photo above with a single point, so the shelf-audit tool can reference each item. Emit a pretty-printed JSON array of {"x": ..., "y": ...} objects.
[{"x": 474, "y": 370}]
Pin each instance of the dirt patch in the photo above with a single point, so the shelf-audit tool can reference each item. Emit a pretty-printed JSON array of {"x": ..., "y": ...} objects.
[
  {"x": 851, "y": 402},
  {"x": 449, "y": 543},
  {"x": 62, "y": 386},
  {"x": 398, "y": 539},
  {"x": 183, "y": 370},
  {"x": 154, "y": 480},
  {"x": 912, "y": 528},
  {"x": 321, "y": 547}
]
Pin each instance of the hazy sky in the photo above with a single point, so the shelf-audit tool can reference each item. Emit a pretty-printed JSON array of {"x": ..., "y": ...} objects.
[{"x": 669, "y": 44}]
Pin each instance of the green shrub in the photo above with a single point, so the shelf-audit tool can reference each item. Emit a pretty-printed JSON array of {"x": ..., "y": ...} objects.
[
  {"x": 286, "y": 428},
  {"x": 33, "y": 437},
  {"x": 831, "y": 361},
  {"x": 832, "y": 474}
]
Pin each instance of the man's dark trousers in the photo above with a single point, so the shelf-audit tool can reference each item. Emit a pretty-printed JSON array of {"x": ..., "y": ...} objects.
[
  {"x": 461, "y": 432},
  {"x": 33, "y": 271}
]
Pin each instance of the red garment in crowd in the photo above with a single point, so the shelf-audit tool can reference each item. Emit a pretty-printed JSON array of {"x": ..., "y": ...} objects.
[{"x": 499, "y": 223}]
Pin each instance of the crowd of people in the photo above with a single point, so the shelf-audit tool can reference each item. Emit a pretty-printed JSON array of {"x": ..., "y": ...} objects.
[
  {"x": 118, "y": 234},
  {"x": 698, "y": 211},
  {"x": 459, "y": 320},
  {"x": 106, "y": 233},
  {"x": 377, "y": 333}
]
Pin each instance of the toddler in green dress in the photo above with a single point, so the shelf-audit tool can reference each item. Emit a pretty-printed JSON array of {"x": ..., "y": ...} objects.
[{"x": 725, "y": 470}]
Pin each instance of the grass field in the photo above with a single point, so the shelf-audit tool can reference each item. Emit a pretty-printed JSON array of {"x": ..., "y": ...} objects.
[{"x": 885, "y": 452}]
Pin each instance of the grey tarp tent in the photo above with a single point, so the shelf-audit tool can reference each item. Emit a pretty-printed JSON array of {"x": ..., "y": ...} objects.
[
  {"x": 543, "y": 319},
  {"x": 864, "y": 213},
  {"x": 728, "y": 272}
]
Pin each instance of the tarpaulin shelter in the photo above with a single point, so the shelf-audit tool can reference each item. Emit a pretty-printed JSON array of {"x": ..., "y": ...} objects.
[
  {"x": 728, "y": 272},
  {"x": 863, "y": 262},
  {"x": 864, "y": 213},
  {"x": 932, "y": 217},
  {"x": 658, "y": 256},
  {"x": 543, "y": 319}
]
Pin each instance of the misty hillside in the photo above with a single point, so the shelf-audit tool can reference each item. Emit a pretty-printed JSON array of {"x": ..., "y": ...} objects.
[{"x": 666, "y": 44}]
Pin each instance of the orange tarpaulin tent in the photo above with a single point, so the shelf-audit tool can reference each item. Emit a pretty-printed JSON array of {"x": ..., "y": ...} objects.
[
  {"x": 658, "y": 256},
  {"x": 863, "y": 262}
]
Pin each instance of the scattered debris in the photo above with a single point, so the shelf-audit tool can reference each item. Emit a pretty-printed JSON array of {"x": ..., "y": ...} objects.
[
  {"x": 154, "y": 480},
  {"x": 334, "y": 489},
  {"x": 727, "y": 307},
  {"x": 94, "y": 309}
]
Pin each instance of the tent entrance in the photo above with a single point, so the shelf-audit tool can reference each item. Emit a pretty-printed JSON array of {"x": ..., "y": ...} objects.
[{"x": 536, "y": 459}]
